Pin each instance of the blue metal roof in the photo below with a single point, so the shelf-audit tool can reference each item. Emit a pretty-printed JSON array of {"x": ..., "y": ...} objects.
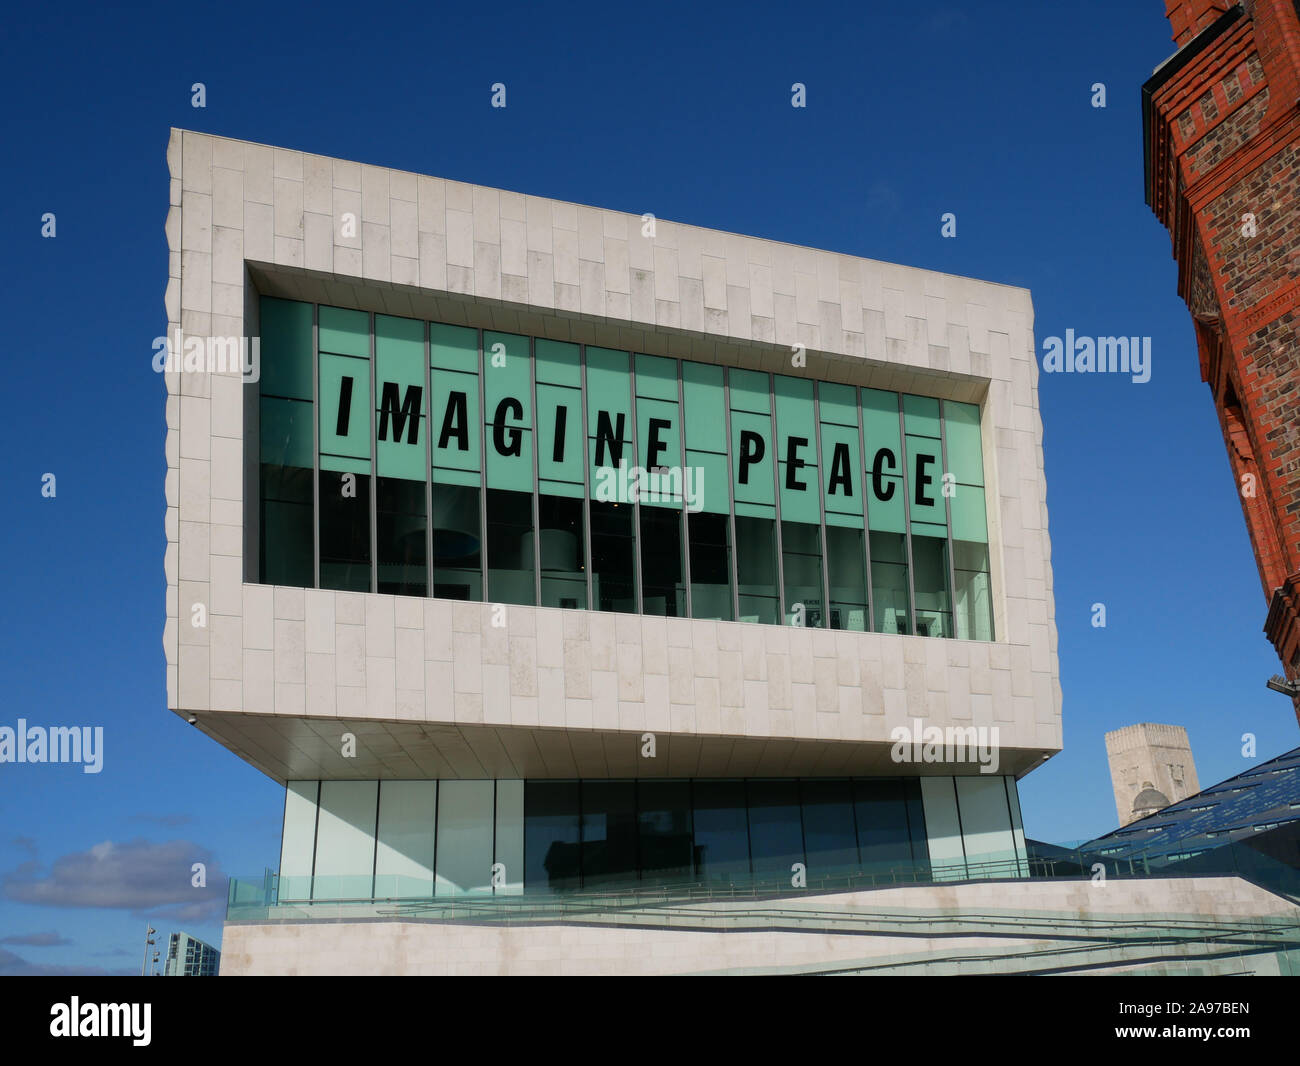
[{"x": 1258, "y": 799}]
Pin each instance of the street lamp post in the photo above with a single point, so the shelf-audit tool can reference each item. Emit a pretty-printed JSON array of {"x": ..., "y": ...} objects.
[{"x": 148, "y": 942}]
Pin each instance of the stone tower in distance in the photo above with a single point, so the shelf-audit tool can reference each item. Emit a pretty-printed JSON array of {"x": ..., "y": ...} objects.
[
  {"x": 1151, "y": 767},
  {"x": 1221, "y": 148}
]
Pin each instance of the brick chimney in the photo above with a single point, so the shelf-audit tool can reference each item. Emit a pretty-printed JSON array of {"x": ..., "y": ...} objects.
[{"x": 1189, "y": 17}]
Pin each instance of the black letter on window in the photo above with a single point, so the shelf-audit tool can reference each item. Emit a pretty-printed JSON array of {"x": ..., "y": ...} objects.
[
  {"x": 455, "y": 423},
  {"x": 840, "y": 471},
  {"x": 500, "y": 431},
  {"x": 557, "y": 450},
  {"x": 608, "y": 436},
  {"x": 345, "y": 407},
  {"x": 923, "y": 479},
  {"x": 656, "y": 445},
  {"x": 751, "y": 451},
  {"x": 793, "y": 462},
  {"x": 410, "y": 408},
  {"x": 878, "y": 485}
]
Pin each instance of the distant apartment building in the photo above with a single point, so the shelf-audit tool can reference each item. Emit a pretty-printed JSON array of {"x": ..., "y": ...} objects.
[{"x": 188, "y": 956}]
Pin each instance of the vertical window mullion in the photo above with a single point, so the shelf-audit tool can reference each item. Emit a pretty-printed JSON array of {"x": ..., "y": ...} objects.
[
  {"x": 906, "y": 483},
  {"x": 866, "y": 519},
  {"x": 776, "y": 500},
  {"x": 947, "y": 510},
  {"x": 428, "y": 459},
  {"x": 733, "y": 553},
  {"x": 537, "y": 485},
  {"x": 821, "y": 510},
  {"x": 586, "y": 476},
  {"x": 483, "y": 473},
  {"x": 685, "y": 520},
  {"x": 636, "y": 503},
  {"x": 315, "y": 456},
  {"x": 374, "y": 468}
]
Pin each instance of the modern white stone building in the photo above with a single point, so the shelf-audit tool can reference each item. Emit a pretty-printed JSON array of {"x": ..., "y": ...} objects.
[{"x": 549, "y": 549}]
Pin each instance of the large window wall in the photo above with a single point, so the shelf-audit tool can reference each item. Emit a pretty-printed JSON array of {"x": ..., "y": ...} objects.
[
  {"x": 415, "y": 839},
  {"x": 428, "y": 459}
]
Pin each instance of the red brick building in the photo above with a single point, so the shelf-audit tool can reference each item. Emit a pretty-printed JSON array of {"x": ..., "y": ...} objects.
[{"x": 1221, "y": 127}]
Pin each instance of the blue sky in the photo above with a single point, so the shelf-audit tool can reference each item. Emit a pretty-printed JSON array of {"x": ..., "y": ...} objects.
[{"x": 680, "y": 110}]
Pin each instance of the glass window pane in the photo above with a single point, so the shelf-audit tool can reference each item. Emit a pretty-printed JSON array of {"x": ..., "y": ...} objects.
[
  {"x": 756, "y": 569},
  {"x": 664, "y": 830},
  {"x": 564, "y": 574},
  {"x": 551, "y": 836},
  {"x": 287, "y": 550},
  {"x": 889, "y": 583},
  {"x": 930, "y": 580},
  {"x": 974, "y": 595},
  {"x": 510, "y": 547},
  {"x": 721, "y": 831},
  {"x": 883, "y": 837},
  {"x": 830, "y": 835},
  {"x": 916, "y": 826},
  {"x": 609, "y": 833},
  {"x": 846, "y": 567},
  {"x": 801, "y": 560},
  {"x": 662, "y": 589},
  {"x": 457, "y": 569},
  {"x": 710, "y": 565},
  {"x": 613, "y": 558},
  {"x": 402, "y": 533},
  {"x": 775, "y": 829},
  {"x": 344, "y": 531}
]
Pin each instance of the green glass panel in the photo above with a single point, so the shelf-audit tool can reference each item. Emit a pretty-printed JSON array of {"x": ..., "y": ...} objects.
[
  {"x": 750, "y": 391},
  {"x": 969, "y": 517},
  {"x": 562, "y": 488},
  {"x": 558, "y": 362},
  {"x": 921, "y": 416},
  {"x": 705, "y": 421},
  {"x": 796, "y": 434},
  {"x": 401, "y": 404},
  {"x": 961, "y": 423},
  {"x": 345, "y": 464},
  {"x": 286, "y": 432},
  {"x": 751, "y": 458},
  {"x": 885, "y": 505},
  {"x": 455, "y": 422},
  {"x": 344, "y": 332},
  {"x": 660, "y": 446},
  {"x": 560, "y": 454},
  {"x": 925, "y": 481},
  {"x": 929, "y": 529},
  {"x": 880, "y": 422},
  {"x": 286, "y": 351},
  {"x": 447, "y": 476},
  {"x": 453, "y": 348},
  {"x": 345, "y": 406},
  {"x": 838, "y": 403},
  {"x": 756, "y": 510},
  {"x": 609, "y": 422},
  {"x": 710, "y": 482},
  {"x": 656, "y": 377},
  {"x": 507, "y": 391},
  {"x": 842, "y": 479}
]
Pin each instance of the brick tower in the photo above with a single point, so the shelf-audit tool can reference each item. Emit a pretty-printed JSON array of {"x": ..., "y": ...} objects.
[{"x": 1221, "y": 129}]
